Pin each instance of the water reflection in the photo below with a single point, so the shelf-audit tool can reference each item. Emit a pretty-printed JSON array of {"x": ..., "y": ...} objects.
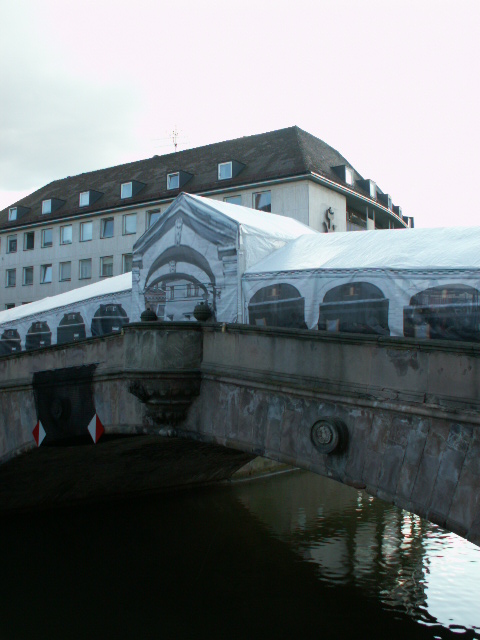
[
  {"x": 410, "y": 565},
  {"x": 288, "y": 556}
]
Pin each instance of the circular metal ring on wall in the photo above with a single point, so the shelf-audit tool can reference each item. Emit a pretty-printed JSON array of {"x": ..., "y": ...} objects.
[{"x": 329, "y": 435}]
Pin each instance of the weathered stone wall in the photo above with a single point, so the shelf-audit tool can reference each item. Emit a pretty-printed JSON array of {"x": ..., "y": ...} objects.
[
  {"x": 411, "y": 410},
  {"x": 160, "y": 365}
]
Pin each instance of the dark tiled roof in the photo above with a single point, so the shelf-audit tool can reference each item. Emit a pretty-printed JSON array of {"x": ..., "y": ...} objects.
[{"x": 277, "y": 154}]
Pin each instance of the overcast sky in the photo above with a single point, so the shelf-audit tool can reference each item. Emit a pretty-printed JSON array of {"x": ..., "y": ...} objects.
[{"x": 393, "y": 86}]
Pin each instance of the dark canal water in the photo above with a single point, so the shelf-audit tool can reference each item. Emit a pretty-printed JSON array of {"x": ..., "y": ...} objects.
[{"x": 290, "y": 556}]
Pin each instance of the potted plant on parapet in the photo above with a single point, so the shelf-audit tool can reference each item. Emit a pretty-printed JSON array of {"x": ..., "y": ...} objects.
[
  {"x": 202, "y": 312},
  {"x": 148, "y": 315}
]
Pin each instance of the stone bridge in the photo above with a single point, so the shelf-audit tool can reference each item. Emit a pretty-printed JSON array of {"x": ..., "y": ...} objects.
[{"x": 188, "y": 402}]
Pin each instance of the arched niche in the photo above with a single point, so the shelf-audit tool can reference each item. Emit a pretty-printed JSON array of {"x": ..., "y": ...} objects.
[
  {"x": 38, "y": 335},
  {"x": 108, "y": 318},
  {"x": 277, "y": 305},
  {"x": 177, "y": 281},
  {"x": 354, "y": 307},
  {"x": 444, "y": 312},
  {"x": 180, "y": 254},
  {"x": 174, "y": 296},
  {"x": 71, "y": 328},
  {"x": 10, "y": 342}
]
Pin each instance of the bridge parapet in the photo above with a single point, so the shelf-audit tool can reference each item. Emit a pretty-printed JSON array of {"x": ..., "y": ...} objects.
[
  {"x": 143, "y": 378},
  {"x": 409, "y": 375},
  {"x": 410, "y": 408}
]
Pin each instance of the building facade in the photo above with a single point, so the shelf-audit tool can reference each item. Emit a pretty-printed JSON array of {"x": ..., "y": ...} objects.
[{"x": 78, "y": 230}]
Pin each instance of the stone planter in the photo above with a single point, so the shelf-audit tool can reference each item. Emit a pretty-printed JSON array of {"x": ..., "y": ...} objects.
[{"x": 202, "y": 312}]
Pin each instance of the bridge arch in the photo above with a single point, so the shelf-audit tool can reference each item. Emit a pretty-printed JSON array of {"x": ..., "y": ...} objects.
[{"x": 410, "y": 408}]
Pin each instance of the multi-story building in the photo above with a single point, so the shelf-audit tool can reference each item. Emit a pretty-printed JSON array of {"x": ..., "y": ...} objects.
[{"x": 80, "y": 229}]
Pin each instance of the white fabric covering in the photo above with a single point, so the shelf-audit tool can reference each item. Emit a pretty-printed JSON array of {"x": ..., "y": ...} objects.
[
  {"x": 96, "y": 309},
  {"x": 446, "y": 248},
  {"x": 412, "y": 282},
  {"x": 105, "y": 287},
  {"x": 204, "y": 245}
]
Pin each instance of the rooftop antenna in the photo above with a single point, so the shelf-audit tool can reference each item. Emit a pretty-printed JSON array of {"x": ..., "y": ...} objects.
[{"x": 175, "y": 137}]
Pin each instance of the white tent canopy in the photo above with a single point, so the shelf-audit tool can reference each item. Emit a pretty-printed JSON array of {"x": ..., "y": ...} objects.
[
  {"x": 409, "y": 282},
  {"x": 94, "y": 310},
  {"x": 268, "y": 270},
  {"x": 106, "y": 287},
  {"x": 450, "y": 248},
  {"x": 198, "y": 250}
]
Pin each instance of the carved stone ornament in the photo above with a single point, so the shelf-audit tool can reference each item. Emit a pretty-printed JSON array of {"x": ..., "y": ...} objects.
[
  {"x": 329, "y": 435},
  {"x": 178, "y": 230},
  {"x": 202, "y": 312},
  {"x": 329, "y": 220},
  {"x": 167, "y": 400}
]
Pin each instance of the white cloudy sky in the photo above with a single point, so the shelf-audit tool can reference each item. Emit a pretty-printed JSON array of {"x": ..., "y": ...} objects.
[{"x": 394, "y": 86}]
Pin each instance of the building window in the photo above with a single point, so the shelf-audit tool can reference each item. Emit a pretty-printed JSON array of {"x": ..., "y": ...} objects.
[
  {"x": 126, "y": 190},
  {"x": 106, "y": 267},
  {"x": 11, "y": 277},
  {"x": 263, "y": 201},
  {"x": 152, "y": 217},
  {"x": 233, "y": 199},
  {"x": 47, "y": 237},
  {"x": 10, "y": 305},
  {"x": 86, "y": 231},
  {"x": 126, "y": 262},
  {"x": 65, "y": 271},
  {"x": 84, "y": 199},
  {"x": 106, "y": 228},
  {"x": 66, "y": 234},
  {"x": 11, "y": 244},
  {"x": 356, "y": 221},
  {"x": 129, "y": 224},
  {"x": 348, "y": 175},
  {"x": 45, "y": 273},
  {"x": 85, "y": 270},
  {"x": 28, "y": 240},
  {"x": 173, "y": 180},
  {"x": 12, "y": 214},
  {"x": 47, "y": 206},
  {"x": 224, "y": 170},
  {"x": 27, "y": 276}
]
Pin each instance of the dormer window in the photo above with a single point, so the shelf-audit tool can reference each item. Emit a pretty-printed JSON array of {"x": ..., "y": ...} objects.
[
  {"x": 173, "y": 181},
  {"x": 131, "y": 189},
  {"x": 51, "y": 205},
  {"x": 84, "y": 199},
  {"x": 369, "y": 187},
  {"x": 231, "y": 169},
  {"x": 344, "y": 172},
  {"x": 87, "y": 198},
  {"x": 12, "y": 214},
  {"x": 178, "y": 179},
  {"x": 224, "y": 170},
  {"x": 385, "y": 199},
  {"x": 126, "y": 190}
]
